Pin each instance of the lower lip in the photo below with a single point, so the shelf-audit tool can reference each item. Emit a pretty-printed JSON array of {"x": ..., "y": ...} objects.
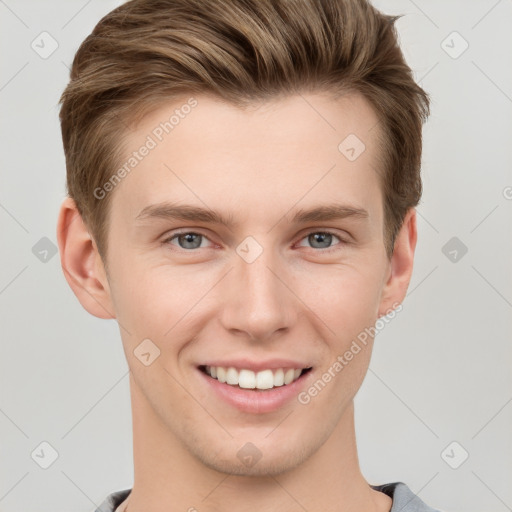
[{"x": 256, "y": 401}]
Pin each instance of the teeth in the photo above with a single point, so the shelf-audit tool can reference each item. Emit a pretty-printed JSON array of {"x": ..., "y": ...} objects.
[
  {"x": 264, "y": 379},
  {"x": 232, "y": 377},
  {"x": 288, "y": 376},
  {"x": 221, "y": 373},
  {"x": 279, "y": 377},
  {"x": 247, "y": 379}
]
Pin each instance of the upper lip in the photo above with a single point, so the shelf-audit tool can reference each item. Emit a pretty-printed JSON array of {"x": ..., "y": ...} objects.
[{"x": 256, "y": 366}]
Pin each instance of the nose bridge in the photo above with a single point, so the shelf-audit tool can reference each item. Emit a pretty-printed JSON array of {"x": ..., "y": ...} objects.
[{"x": 257, "y": 301}]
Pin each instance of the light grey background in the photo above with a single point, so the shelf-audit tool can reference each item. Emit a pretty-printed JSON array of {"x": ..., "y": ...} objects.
[{"x": 441, "y": 369}]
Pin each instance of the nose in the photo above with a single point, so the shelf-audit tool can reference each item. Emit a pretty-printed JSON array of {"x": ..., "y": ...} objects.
[{"x": 257, "y": 300}]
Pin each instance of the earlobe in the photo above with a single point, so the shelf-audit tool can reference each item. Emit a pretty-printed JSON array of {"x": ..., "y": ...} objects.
[
  {"x": 401, "y": 265},
  {"x": 81, "y": 262}
]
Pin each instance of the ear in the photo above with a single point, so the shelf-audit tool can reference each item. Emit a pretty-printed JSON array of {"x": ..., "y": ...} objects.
[
  {"x": 400, "y": 265},
  {"x": 81, "y": 262}
]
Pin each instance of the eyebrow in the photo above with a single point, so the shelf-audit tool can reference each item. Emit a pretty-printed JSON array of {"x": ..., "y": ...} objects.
[{"x": 172, "y": 211}]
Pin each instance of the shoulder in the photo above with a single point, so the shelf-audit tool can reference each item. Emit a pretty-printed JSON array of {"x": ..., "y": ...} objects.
[
  {"x": 112, "y": 501},
  {"x": 404, "y": 500}
]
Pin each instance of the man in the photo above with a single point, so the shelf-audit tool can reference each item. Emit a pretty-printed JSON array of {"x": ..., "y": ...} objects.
[{"x": 242, "y": 177}]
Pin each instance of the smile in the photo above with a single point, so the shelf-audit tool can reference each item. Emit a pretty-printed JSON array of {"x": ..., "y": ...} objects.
[{"x": 248, "y": 379}]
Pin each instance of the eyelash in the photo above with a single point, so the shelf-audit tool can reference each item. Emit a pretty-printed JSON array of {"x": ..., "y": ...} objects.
[{"x": 323, "y": 232}]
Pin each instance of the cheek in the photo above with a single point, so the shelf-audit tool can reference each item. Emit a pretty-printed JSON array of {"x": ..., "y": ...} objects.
[
  {"x": 345, "y": 298},
  {"x": 160, "y": 303},
  {"x": 142, "y": 293}
]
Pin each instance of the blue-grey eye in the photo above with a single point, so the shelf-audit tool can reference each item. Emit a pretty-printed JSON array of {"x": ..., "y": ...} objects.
[
  {"x": 323, "y": 239},
  {"x": 190, "y": 240}
]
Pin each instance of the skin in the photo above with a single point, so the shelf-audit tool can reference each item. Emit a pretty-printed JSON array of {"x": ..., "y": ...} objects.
[{"x": 258, "y": 165}]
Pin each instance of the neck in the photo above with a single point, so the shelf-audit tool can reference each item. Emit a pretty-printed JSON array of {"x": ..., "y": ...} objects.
[{"x": 167, "y": 477}]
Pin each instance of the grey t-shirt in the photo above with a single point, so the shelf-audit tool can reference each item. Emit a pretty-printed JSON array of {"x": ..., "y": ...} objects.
[{"x": 404, "y": 500}]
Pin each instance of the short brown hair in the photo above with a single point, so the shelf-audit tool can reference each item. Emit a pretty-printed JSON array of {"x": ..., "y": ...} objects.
[{"x": 146, "y": 52}]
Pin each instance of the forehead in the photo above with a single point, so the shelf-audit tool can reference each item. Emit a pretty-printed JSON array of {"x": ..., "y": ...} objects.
[{"x": 298, "y": 150}]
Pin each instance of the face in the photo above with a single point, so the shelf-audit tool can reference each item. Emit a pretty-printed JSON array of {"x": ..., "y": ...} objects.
[{"x": 245, "y": 245}]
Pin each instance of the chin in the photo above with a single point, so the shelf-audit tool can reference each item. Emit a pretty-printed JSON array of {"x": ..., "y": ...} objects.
[
  {"x": 266, "y": 466},
  {"x": 261, "y": 458}
]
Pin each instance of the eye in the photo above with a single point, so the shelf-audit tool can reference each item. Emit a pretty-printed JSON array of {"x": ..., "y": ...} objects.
[
  {"x": 322, "y": 239},
  {"x": 190, "y": 240},
  {"x": 187, "y": 240}
]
